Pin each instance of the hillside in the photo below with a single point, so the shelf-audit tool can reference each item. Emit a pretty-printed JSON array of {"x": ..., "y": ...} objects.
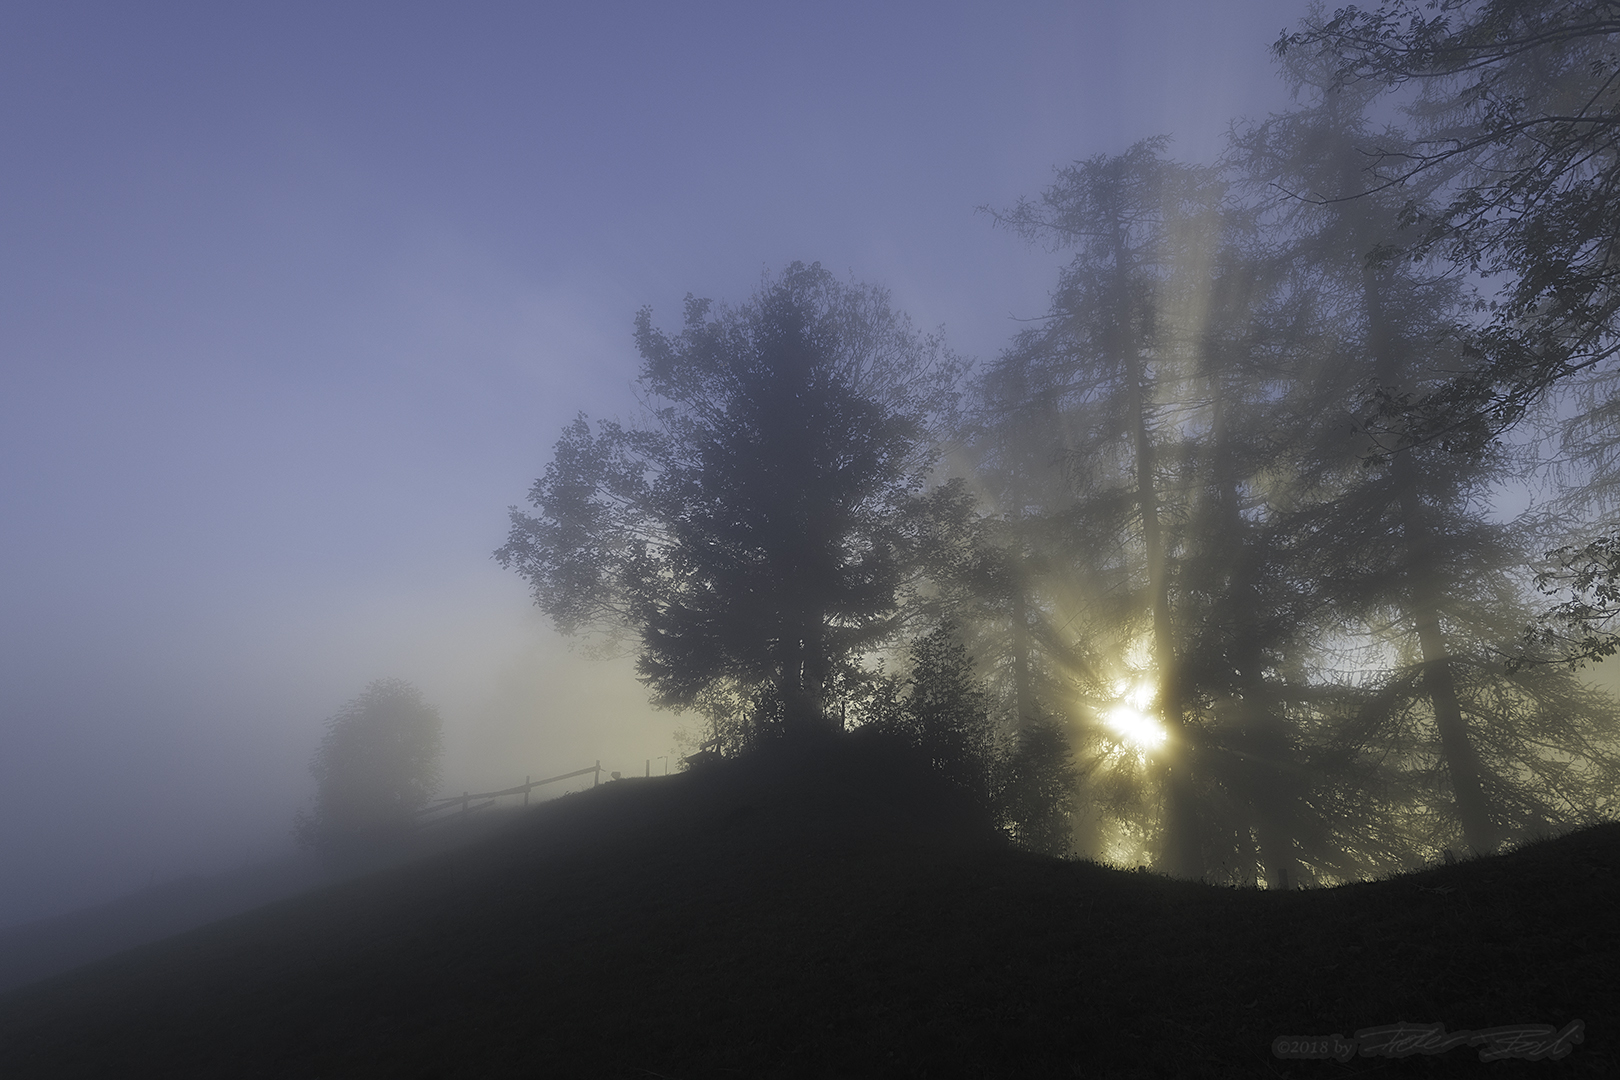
[
  {"x": 834, "y": 916},
  {"x": 40, "y": 948}
]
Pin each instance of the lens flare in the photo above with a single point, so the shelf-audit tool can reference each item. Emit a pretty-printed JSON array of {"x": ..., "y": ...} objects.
[{"x": 1131, "y": 716}]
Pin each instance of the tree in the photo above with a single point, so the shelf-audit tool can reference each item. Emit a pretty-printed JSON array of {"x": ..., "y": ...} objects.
[
  {"x": 943, "y": 713},
  {"x": 760, "y": 530},
  {"x": 377, "y": 765},
  {"x": 1516, "y": 107},
  {"x": 1112, "y": 363},
  {"x": 1038, "y": 788},
  {"x": 1396, "y": 329},
  {"x": 1310, "y": 621},
  {"x": 1404, "y": 544},
  {"x": 1166, "y": 371}
]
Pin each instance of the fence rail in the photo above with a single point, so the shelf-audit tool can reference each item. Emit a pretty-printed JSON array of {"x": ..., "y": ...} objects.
[{"x": 464, "y": 800}]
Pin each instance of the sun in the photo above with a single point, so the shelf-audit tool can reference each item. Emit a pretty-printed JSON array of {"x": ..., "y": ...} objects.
[{"x": 1131, "y": 718}]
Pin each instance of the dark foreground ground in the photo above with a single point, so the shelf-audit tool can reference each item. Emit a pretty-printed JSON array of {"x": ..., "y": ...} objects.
[{"x": 777, "y": 921}]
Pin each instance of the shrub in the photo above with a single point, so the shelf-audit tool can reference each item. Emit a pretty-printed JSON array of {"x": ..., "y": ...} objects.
[{"x": 378, "y": 764}]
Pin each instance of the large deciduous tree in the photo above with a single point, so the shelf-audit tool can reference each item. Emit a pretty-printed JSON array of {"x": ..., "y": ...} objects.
[{"x": 760, "y": 528}]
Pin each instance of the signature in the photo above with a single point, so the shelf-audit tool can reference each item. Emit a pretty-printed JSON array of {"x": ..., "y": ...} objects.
[{"x": 1532, "y": 1042}]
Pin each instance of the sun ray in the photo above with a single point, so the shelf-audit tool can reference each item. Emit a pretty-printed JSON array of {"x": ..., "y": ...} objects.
[{"x": 1131, "y": 717}]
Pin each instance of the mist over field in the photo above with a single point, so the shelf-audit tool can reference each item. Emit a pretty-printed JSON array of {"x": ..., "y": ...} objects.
[
  {"x": 1195, "y": 448},
  {"x": 296, "y": 302}
]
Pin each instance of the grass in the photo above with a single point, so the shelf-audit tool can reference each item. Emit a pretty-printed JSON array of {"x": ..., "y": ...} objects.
[{"x": 834, "y": 917}]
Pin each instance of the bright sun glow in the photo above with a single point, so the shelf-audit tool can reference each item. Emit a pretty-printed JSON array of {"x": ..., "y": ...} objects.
[{"x": 1131, "y": 717}]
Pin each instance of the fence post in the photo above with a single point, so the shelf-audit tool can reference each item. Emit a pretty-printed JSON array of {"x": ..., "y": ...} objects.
[
  {"x": 649, "y": 768},
  {"x": 526, "y": 790},
  {"x": 597, "y": 777}
]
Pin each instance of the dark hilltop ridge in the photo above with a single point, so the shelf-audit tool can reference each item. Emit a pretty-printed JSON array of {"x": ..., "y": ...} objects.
[{"x": 837, "y": 912}]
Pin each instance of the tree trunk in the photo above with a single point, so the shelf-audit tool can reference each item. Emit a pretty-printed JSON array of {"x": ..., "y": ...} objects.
[
  {"x": 1265, "y": 742},
  {"x": 800, "y": 685},
  {"x": 1180, "y": 842},
  {"x": 1272, "y": 796},
  {"x": 1462, "y": 762},
  {"x": 1024, "y": 692}
]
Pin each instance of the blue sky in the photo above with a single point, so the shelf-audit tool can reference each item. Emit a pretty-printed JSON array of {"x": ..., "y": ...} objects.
[{"x": 295, "y": 298}]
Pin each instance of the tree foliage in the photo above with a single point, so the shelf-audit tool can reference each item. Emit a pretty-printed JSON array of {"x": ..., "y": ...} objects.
[
  {"x": 1314, "y": 622},
  {"x": 1038, "y": 788},
  {"x": 377, "y": 765},
  {"x": 943, "y": 713},
  {"x": 1586, "y": 583},
  {"x": 1516, "y": 114},
  {"x": 1230, "y": 565},
  {"x": 1511, "y": 170},
  {"x": 760, "y": 528}
]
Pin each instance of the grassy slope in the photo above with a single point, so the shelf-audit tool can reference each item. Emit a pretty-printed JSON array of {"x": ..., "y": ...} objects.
[
  {"x": 41, "y": 948},
  {"x": 809, "y": 921}
]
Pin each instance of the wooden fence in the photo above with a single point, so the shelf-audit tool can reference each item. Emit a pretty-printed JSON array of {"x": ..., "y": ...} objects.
[{"x": 465, "y": 799}]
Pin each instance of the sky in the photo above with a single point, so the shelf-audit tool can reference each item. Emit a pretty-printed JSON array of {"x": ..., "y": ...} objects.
[{"x": 296, "y": 298}]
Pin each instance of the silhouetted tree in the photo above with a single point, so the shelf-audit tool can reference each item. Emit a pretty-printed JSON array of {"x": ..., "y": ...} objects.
[
  {"x": 1404, "y": 521},
  {"x": 1175, "y": 526},
  {"x": 942, "y": 711},
  {"x": 1013, "y": 442},
  {"x": 1401, "y": 541},
  {"x": 1515, "y": 111},
  {"x": 760, "y": 530},
  {"x": 1245, "y": 610},
  {"x": 1039, "y": 786},
  {"x": 1317, "y": 615},
  {"x": 377, "y": 765},
  {"x": 1113, "y": 363}
]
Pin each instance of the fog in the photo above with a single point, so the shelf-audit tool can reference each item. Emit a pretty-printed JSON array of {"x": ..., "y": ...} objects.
[{"x": 295, "y": 303}]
